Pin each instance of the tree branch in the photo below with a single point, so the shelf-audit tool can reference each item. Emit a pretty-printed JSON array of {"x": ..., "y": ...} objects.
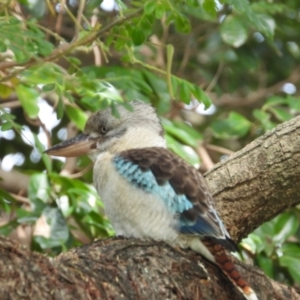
[
  {"x": 235, "y": 100},
  {"x": 258, "y": 182},
  {"x": 67, "y": 48},
  {"x": 123, "y": 269},
  {"x": 14, "y": 181}
]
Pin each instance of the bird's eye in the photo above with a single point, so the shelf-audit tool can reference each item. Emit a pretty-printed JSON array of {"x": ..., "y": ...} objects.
[{"x": 103, "y": 129}]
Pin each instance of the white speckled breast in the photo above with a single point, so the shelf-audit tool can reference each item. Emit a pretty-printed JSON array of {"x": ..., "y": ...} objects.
[{"x": 132, "y": 212}]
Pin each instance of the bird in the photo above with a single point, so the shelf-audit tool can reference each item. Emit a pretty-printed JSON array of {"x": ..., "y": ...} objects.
[{"x": 149, "y": 192}]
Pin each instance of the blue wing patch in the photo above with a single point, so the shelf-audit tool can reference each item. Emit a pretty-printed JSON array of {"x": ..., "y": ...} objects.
[
  {"x": 146, "y": 180},
  {"x": 191, "y": 221}
]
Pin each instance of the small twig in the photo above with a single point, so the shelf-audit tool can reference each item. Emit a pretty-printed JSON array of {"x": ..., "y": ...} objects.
[
  {"x": 82, "y": 172},
  {"x": 160, "y": 54},
  {"x": 186, "y": 56},
  {"x": 70, "y": 164},
  {"x": 21, "y": 199},
  {"x": 218, "y": 149},
  {"x": 46, "y": 131},
  {"x": 60, "y": 17},
  {"x": 96, "y": 49},
  {"x": 205, "y": 158},
  {"x": 11, "y": 104},
  {"x": 97, "y": 55},
  {"x": 34, "y": 122},
  {"x": 165, "y": 28},
  {"x": 79, "y": 17},
  {"x": 66, "y": 48},
  {"x": 50, "y": 32},
  {"x": 216, "y": 77},
  {"x": 251, "y": 99}
]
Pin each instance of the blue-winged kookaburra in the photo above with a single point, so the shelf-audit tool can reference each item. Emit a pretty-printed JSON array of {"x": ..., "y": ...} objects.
[{"x": 149, "y": 192}]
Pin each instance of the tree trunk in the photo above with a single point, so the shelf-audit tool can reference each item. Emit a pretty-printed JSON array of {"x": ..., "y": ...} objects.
[
  {"x": 119, "y": 268},
  {"x": 250, "y": 187},
  {"x": 258, "y": 182}
]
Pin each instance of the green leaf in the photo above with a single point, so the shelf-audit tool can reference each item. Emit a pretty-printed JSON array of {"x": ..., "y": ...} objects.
[
  {"x": 123, "y": 33},
  {"x": 264, "y": 119},
  {"x": 234, "y": 126},
  {"x": 149, "y": 7},
  {"x": 8, "y": 228},
  {"x": 266, "y": 264},
  {"x": 239, "y": 5},
  {"x": 185, "y": 92},
  {"x": 201, "y": 96},
  {"x": 5, "y": 90},
  {"x": 76, "y": 115},
  {"x": 59, "y": 231},
  {"x": 47, "y": 73},
  {"x": 5, "y": 196},
  {"x": 28, "y": 97},
  {"x": 274, "y": 101},
  {"x": 44, "y": 47},
  {"x": 252, "y": 242},
  {"x": 281, "y": 114},
  {"x": 265, "y": 7},
  {"x": 291, "y": 249},
  {"x": 263, "y": 23},
  {"x": 3, "y": 47},
  {"x": 292, "y": 264},
  {"x": 38, "y": 188},
  {"x": 6, "y": 126},
  {"x": 159, "y": 11},
  {"x": 49, "y": 87},
  {"x": 182, "y": 23},
  {"x": 180, "y": 134},
  {"x": 146, "y": 24},
  {"x": 285, "y": 226},
  {"x": 233, "y": 31},
  {"x": 188, "y": 129},
  {"x": 138, "y": 36},
  {"x": 92, "y": 4},
  {"x": 114, "y": 110},
  {"x": 74, "y": 60},
  {"x": 181, "y": 150},
  {"x": 210, "y": 7},
  {"x": 293, "y": 103},
  {"x": 20, "y": 55},
  {"x": 60, "y": 108}
]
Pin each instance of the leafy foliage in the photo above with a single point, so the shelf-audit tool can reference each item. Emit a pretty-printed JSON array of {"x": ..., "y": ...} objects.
[{"x": 181, "y": 56}]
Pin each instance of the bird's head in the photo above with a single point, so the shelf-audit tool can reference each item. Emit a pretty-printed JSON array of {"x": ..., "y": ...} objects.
[{"x": 136, "y": 128}]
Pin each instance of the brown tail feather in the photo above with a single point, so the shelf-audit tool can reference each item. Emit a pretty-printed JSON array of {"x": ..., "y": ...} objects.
[{"x": 224, "y": 261}]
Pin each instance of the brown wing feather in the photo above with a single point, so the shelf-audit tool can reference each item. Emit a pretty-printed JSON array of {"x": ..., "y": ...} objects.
[{"x": 185, "y": 180}]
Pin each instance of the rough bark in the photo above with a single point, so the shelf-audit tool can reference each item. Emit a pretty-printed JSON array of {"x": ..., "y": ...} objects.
[
  {"x": 123, "y": 269},
  {"x": 260, "y": 181},
  {"x": 250, "y": 187}
]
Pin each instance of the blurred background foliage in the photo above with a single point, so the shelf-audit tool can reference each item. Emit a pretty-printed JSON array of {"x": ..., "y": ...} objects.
[{"x": 220, "y": 73}]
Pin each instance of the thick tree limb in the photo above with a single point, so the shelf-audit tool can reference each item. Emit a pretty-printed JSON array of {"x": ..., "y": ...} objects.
[
  {"x": 260, "y": 181},
  {"x": 123, "y": 269}
]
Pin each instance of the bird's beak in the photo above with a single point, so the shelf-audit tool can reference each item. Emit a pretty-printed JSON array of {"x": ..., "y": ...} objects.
[{"x": 79, "y": 145}]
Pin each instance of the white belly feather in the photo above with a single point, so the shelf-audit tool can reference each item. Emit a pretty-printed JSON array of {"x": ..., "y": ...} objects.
[{"x": 132, "y": 212}]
